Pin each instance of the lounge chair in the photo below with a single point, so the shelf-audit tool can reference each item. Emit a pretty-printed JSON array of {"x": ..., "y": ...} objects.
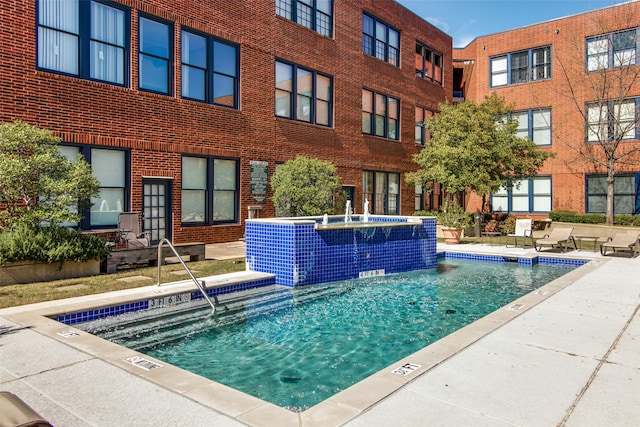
[
  {"x": 15, "y": 412},
  {"x": 523, "y": 231},
  {"x": 623, "y": 241},
  {"x": 131, "y": 231},
  {"x": 558, "y": 237}
]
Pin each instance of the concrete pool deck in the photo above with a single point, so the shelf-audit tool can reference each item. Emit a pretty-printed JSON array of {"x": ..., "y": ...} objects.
[{"x": 566, "y": 355}]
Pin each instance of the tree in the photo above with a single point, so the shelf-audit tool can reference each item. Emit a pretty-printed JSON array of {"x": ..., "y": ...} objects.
[
  {"x": 306, "y": 187},
  {"x": 604, "y": 93},
  {"x": 39, "y": 185},
  {"x": 474, "y": 147}
]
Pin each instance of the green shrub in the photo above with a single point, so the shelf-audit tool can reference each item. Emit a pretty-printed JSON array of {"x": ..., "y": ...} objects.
[
  {"x": 425, "y": 213},
  {"x": 592, "y": 219},
  {"x": 627, "y": 219},
  {"x": 50, "y": 245}
]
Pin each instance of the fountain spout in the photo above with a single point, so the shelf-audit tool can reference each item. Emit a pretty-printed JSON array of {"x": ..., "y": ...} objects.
[
  {"x": 347, "y": 212},
  {"x": 365, "y": 217}
]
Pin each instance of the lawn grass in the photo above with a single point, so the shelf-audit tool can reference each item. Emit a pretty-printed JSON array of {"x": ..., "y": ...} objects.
[{"x": 14, "y": 295}]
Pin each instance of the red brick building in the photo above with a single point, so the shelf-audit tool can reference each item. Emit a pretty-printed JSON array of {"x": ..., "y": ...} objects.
[
  {"x": 184, "y": 109},
  {"x": 572, "y": 81}
]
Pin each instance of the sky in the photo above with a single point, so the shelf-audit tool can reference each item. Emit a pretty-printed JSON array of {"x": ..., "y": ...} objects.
[{"x": 464, "y": 20}]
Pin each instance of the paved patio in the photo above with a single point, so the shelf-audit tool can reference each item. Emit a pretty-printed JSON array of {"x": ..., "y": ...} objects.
[{"x": 568, "y": 356}]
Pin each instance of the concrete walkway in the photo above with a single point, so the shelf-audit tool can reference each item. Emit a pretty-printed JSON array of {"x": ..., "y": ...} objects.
[{"x": 572, "y": 359}]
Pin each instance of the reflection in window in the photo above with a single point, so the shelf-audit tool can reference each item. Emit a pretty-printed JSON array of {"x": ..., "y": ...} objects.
[
  {"x": 155, "y": 55},
  {"x": 209, "y": 69},
  {"x": 313, "y": 101},
  {"x": 209, "y": 190},
  {"x": 380, "y": 115}
]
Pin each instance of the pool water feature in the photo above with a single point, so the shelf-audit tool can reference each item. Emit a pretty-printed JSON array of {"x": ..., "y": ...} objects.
[
  {"x": 311, "y": 250},
  {"x": 295, "y": 347}
]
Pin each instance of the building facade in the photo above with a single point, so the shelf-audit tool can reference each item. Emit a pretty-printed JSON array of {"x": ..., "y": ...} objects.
[
  {"x": 184, "y": 109},
  {"x": 574, "y": 85}
]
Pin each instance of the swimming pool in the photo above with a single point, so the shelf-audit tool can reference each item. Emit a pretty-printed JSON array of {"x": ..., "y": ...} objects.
[{"x": 298, "y": 346}]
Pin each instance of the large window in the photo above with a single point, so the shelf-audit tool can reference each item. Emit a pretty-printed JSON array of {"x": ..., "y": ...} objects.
[
  {"x": 380, "y": 114},
  {"x": 303, "y": 94},
  {"x": 531, "y": 195},
  {"x": 380, "y": 40},
  {"x": 521, "y": 67},
  {"x": 535, "y": 125},
  {"x": 613, "y": 120},
  {"x": 428, "y": 63},
  {"x": 422, "y": 133},
  {"x": 109, "y": 167},
  {"x": 314, "y": 14},
  {"x": 626, "y": 194},
  {"x": 382, "y": 189},
  {"x": 155, "y": 58},
  {"x": 209, "y": 190},
  {"x": 88, "y": 39},
  {"x": 210, "y": 69},
  {"x": 612, "y": 50}
]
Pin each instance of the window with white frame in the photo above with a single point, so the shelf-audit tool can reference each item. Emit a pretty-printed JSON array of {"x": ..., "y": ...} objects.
[
  {"x": 95, "y": 50},
  {"x": 313, "y": 14},
  {"x": 155, "y": 55},
  {"x": 535, "y": 125},
  {"x": 209, "y": 193},
  {"x": 530, "y": 195},
  {"x": 380, "y": 114},
  {"x": 210, "y": 69},
  {"x": 626, "y": 193},
  {"x": 303, "y": 94},
  {"x": 380, "y": 40},
  {"x": 612, "y": 50},
  {"x": 382, "y": 189},
  {"x": 613, "y": 120},
  {"x": 521, "y": 67}
]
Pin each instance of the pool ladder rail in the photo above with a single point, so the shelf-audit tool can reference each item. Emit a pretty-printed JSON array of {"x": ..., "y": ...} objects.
[{"x": 199, "y": 285}]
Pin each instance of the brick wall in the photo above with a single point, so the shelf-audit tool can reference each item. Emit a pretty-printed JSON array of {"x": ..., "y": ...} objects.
[
  {"x": 159, "y": 129},
  {"x": 567, "y": 39}
]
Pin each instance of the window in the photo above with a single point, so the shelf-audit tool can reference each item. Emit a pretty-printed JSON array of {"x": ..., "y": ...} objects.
[
  {"x": 96, "y": 50},
  {"x": 422, "y": 133},
  {"x": 209, "y": 190},
  {"x": 303, "y": 94},
  {"x": 155, "y": 56},
  {"x": 210, "y": 69},
  {"x": 528, "y": 196},
  {"x": 626, "y": 194},
  {"x": 612, "y": 50},
  {"x": 382, "y": 189},
  {"x": 521, "y": 67},
  {"x": 535, "y": 125},
  {"x": 314, "y": 14},
  {"x": 380, "y": 40},
  {"x": 380, "y": 114},
  {"x": 613, "y": 120},
  {"x": 110, "y": 168},
  {"x": 428, "y": 63}
]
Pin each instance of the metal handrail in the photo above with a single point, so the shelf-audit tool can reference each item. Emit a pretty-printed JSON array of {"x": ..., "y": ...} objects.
[{"x": 198, "y": 284}]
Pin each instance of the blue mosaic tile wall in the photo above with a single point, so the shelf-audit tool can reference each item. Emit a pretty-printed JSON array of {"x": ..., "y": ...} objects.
[
  {"x": 99, "y": 313},
  {"x": 298, "y": 254},
  {"x": 521, "y": 260}
]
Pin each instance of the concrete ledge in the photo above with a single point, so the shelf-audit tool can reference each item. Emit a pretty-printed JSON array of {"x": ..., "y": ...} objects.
[
  {"x": 148, "y": 256},
  {"x": 14, "y": 273}
]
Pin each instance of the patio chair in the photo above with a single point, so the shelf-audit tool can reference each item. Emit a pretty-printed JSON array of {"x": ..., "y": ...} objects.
[
  {"x": 623, "y": 241},
  {"x": 131, "y": 230},
  {"x": 523, "y": 231},
  {"x": 15, "y": 412},
  {"x": 558, "y": 237}
]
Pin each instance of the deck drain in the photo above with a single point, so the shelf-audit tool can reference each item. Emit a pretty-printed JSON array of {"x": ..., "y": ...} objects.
[{"x": 143, "y": 363}]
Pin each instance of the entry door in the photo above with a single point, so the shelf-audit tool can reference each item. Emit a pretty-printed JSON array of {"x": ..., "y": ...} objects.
[{"x": 156, "y": 208}]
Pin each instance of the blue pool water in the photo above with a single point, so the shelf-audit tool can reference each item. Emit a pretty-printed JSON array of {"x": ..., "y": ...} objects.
[{"x": 298, "y": 346}]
